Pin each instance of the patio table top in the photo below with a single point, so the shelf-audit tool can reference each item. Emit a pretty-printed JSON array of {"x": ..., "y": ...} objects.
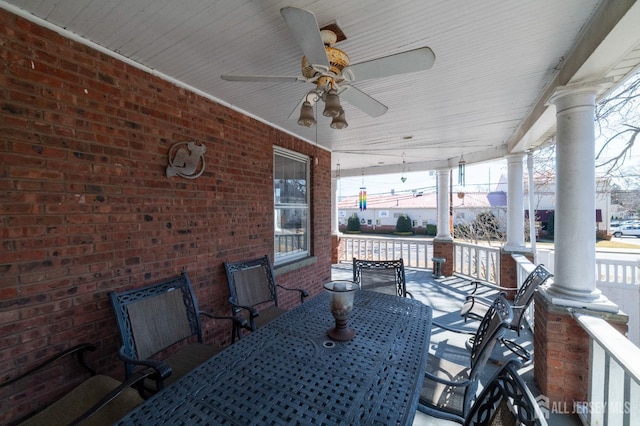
[{"x": 290, "y": 372}]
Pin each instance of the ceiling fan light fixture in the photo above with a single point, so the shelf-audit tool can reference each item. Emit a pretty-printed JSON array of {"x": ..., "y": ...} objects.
[
  {"x": 332, "y": 106},
  {"x": 339, "y": 122},
  {"x": 306, "y": 115}
]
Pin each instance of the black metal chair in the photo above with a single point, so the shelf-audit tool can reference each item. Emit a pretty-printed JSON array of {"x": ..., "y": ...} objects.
[
  {"x": 253, "y": 290},
  {"x": 151, "y": 319},
  {"x": 475, "y": 306},
  {"x": 506, "y": 400},
  {"x": 449, "y": 388},
  {"x": 384, "y": 276},
  {"x": 98, "y": 400}
]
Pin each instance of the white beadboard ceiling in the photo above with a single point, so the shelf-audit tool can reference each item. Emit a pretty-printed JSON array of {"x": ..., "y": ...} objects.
[{"x": 496, "y": 63}]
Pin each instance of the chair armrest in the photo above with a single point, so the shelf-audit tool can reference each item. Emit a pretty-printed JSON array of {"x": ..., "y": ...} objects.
[
  {"x": 237, "y": 320},
  {"x": 481, "y": 299},
  {"x": 136, "y": 378},
  {"x": 475, "y": 307},
  {"x": 252, "y": 311},
  {"x": 480, "y": 284},
  {"x": 78, "y": 350},
  {"x": 303, "y": 292},
  {"x": 455, "y": 330},
  {"x": 161, "y": 368},
  {"x": 410, "y": 295}
]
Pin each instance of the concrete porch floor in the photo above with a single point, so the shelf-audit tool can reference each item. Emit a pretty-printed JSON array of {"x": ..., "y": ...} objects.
[{"x": 446, "y": 296}]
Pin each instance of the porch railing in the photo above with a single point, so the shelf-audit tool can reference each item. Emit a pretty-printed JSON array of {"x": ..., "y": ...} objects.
[
  {"x": 473, "y": 261},
  {"x": 416, "y": 253},
  {"x": 619, "y": 280},
  {"x": 614, "y": 376},
  {"x": 608, "y": 271},
  {"x": 478, "y": 262}
]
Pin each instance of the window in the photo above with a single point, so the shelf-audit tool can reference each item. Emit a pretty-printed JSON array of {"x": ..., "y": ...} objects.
[{"x": 291, "y": 205}]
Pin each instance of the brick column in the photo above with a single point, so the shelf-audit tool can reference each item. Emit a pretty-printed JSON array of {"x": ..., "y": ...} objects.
[
  {"x": 337, "y": 248},
  {"x": 446, "y": 250},
  {"x": 561, "y": 348},
  {"x": 509, "y": 270}
]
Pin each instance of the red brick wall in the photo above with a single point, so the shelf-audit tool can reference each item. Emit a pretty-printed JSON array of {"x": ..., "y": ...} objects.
[{"x": 86, "y": 208}]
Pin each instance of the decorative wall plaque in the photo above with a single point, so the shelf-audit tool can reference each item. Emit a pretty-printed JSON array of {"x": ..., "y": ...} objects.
[{"x": 186, "y": 159}]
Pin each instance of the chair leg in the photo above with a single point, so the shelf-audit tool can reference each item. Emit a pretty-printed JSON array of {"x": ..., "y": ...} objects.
[{"x": 234, "y": 331}]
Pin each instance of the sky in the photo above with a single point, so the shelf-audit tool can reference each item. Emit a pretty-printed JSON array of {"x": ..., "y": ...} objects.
[{"x": 479, "y": 177}]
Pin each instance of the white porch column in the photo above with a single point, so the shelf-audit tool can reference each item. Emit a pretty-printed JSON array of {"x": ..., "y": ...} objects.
[
  {"x": 335, "y": 222},
  {"x": 443, "y": 205},
  {"x": 515, "y": 203},
  {"x": 575, "y": 224}
]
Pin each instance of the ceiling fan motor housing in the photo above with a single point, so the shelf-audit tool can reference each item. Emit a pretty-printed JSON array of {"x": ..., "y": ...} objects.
[{"x": 338, "y": 60}]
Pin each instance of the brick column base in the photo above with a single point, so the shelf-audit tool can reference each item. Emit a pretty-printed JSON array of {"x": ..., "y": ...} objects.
[
  {"x": 337, "y": 248},
  {"x": 446, "y": 250},
  {"x": 561, "y": 348},
  {"x": 509, "y": 270}
]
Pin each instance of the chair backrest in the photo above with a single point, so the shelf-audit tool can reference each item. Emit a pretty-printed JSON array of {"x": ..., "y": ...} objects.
[
  {"x": 251, "y": 282},
  {"x": 492, "y": 328},
  {"x": 525, "y": 293},
  {"x": 384, "y": 276},
  {"x": 506, "y": 400},
  {"x": 154, "y": 317}
]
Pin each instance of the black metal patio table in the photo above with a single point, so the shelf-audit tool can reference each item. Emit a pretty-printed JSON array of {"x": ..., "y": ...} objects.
[{"x": 290, "y": 372}]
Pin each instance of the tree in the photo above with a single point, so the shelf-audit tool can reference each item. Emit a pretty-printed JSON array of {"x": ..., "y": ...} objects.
[
  {"x": 618, "y": 124},
  {"x": 353, "y": 223},
  {"x": 404, "y": 224},
  {"x": 486, "y": 227}
]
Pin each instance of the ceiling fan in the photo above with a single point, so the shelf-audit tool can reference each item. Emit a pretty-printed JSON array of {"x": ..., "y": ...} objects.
[{"x": 330, "y": 70}]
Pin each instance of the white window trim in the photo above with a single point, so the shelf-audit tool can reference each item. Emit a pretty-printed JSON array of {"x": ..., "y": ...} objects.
[{"x": 283, "y": 152}]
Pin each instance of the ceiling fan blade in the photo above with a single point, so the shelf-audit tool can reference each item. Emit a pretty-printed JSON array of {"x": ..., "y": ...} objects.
[
  {"x": 263, "y": 78},
  {"x": 304, "y": 27},
  {"x": 362, "y": 101},
  {"x": 411, "y": 61}
]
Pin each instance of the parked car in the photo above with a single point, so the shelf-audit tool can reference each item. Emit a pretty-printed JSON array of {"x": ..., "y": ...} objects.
[{"x": 626, "y": 231}]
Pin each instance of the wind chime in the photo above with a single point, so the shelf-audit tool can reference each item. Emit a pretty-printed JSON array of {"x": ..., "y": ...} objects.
[
  {"x": 362, "y": 196},
  {"x": 461, "y": 177},
  {"x": 461, "y": 166},
  {"x": 403, "y": 178}
]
